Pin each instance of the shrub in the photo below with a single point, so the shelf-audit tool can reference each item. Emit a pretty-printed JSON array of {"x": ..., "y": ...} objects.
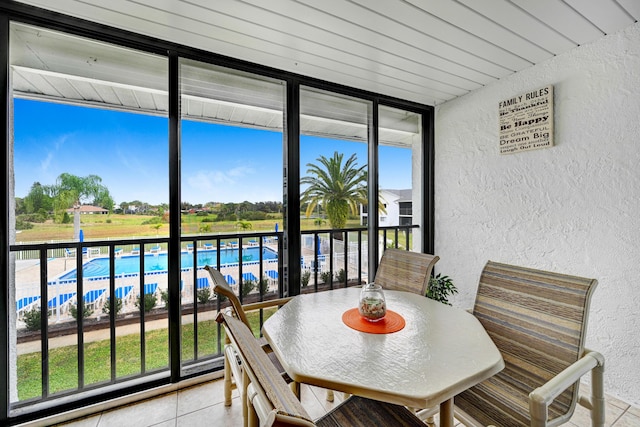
[
  {"x": 106, "y": 308},
  {"x": 227, "y": 217},
  {"x": 164, "y": 296},
  {"x": 66, "y": 219},
  {"x": 203, "y": 295},
  {"x": 30, "y": 218},
  {"x": 247, "y": 287},
  {"x": 264, "y": 286},
  {"x": 23, "y": 225},
  {"x": 86, "y": 311},
  {"x": 152, "y": 221},
  {"x": 253, "y": 216},
  {"x": 150, "y": 302},
  {"x": 304, "y": 278},
  {"x": 326, "y": 277},
  {"x": 341, "y": 276},
  {"x": 32, "y": 319}
]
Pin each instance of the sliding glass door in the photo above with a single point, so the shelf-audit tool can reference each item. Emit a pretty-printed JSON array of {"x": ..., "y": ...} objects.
[
  {"x": 231, "y": 159},
  {"x": 90, "y": 164},
  {"x": 130, "y": 170}
]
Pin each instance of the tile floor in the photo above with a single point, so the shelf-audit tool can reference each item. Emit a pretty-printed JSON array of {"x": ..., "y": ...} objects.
[
  {"x": 200, "y": 405},
  {"x": 203, "y": 405}
]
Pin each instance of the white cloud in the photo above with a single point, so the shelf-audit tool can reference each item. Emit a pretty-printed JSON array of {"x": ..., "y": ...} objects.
[
  {"x": 241, "y": 171},
  {"x": 234, "y": 185},
  {"x": 46, "y": 162}
]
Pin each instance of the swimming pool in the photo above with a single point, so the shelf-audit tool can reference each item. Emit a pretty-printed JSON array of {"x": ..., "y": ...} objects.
[{"x": 98, "y": 268}]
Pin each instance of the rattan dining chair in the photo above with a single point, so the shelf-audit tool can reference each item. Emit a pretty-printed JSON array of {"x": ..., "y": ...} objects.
[
  {"x": 271, "y": 402},
  {"x": 233, "y": 370},
  {"x": 538, "y": 321},
  {"x": 405, "y": 270}
]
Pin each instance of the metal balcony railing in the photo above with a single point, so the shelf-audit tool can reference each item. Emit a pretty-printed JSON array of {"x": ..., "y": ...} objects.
[{"x": 119, "y": 288}]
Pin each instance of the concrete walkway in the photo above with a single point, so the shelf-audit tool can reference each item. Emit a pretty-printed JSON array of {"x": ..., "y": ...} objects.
[{"x": 104, "y": 334}]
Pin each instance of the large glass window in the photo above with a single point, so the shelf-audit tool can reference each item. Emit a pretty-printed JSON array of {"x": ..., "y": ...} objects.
[
  {"x": 334, "y": 168},
  {"x": 91, "y": 228},
  {"x": 400, "y": 177},
  {"x": 90, "y": 163},
  {"x": 231, "y": 184}
]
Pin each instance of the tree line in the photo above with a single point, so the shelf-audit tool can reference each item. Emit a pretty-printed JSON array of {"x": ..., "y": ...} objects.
[
  {"x": 45, "y": 202},
  {"x": 69, "y": 191},
  {"x": 335, "y": 186}
]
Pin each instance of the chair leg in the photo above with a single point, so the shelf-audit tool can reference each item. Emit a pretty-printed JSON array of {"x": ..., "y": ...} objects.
[
  {"x": 427, "y": 415},
  {"x": 597, "y": 395},
  {"x": 228, "y": 382},
  {"x": 252, "y": 417},
  {"x": 244, "y": 400},
  {"x": 331, "y": 396},
  {"x": 430, "y": 421}
]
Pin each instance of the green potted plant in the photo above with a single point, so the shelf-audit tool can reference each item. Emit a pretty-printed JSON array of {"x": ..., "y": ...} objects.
[{"x": 440, "y": 288}]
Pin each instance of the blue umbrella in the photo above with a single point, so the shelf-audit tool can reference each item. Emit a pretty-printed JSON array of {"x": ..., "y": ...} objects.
[
  {"x": 276, "y": 227},
  {"x": 81, "y": 236}
]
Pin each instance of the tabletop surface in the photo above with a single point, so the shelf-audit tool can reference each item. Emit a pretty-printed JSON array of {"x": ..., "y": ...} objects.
[{"x": 440, "y": 352}]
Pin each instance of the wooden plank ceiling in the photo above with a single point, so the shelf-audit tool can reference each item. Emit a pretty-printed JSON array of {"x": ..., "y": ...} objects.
[{"x": 428, "y": 51}]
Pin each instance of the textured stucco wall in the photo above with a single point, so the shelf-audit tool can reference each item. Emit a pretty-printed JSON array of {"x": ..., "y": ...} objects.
[{"x": 573, "y": 208}]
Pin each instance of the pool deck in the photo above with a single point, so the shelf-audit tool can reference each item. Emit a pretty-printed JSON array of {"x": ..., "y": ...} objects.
[
  {"x": 27, "y": 279},
  {"x": 27, "y": 275}
]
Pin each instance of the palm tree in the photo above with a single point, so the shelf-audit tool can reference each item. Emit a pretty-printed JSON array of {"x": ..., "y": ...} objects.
[
  {"x": 157, "y": 227},
  {"x": 70, "y": 190},
  {"x": 244, "y": 225},
  {"x": 338, "y": 188}
]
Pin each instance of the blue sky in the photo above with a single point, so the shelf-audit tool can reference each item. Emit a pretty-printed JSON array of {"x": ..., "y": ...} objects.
[{"x": 130, "y": 153}]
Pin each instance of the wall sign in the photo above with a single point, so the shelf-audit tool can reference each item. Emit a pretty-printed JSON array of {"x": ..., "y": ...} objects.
[{"x": 526, "y": 121}]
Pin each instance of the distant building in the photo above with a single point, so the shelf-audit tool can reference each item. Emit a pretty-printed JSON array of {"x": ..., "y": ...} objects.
[
  {"x": 398, "y": 207},
  {"x": 90, "y": 210}
]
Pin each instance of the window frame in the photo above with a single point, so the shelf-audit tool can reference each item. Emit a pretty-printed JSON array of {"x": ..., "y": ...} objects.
[{"x": 22, "y": 13}]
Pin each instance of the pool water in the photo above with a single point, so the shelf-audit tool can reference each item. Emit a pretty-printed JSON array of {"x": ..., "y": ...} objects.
[{"x": 125, "y": 265}]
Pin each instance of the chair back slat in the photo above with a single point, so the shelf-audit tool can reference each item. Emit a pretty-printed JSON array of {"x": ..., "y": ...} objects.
[
  {"x": 538, "y": 321},
  {"x": 405, "y": 270},
  {"x": 263, "y": 375}
]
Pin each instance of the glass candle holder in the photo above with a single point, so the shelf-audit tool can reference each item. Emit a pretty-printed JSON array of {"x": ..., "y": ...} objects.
[{"x": 372, "y": 305}]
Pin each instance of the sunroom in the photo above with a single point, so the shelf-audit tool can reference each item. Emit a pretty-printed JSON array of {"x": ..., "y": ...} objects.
[{"x": 182, "y": 101}]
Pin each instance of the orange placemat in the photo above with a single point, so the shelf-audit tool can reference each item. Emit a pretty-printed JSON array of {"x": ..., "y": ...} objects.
[{"x": 392, "y": 322}]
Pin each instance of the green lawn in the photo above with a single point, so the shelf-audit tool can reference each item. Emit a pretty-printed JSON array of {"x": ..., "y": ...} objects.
[
  {"x": 63, "y": 367},
  {"x": 102, "y": 227}
]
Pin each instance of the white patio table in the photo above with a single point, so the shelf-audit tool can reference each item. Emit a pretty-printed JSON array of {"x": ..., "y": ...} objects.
[{"x": 440, "y": 352}]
